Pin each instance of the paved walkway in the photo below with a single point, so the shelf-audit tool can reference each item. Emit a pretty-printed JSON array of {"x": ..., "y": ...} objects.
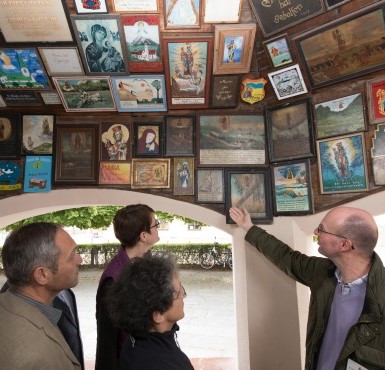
[{"x": 207, "y": 332}]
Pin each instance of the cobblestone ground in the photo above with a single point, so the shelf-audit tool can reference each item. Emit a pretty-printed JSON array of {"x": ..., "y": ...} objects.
[{"x": 208, "y": 328}]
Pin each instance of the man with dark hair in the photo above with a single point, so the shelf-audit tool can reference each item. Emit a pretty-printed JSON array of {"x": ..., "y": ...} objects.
[
  {"x": 147, "y": 300},
  {"x": 346, "y": 324},
  {"x": 40, "y": 261},
  {"x": 136, "y": 229}
]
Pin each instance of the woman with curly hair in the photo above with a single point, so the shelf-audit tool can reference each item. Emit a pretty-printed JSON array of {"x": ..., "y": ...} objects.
[{"x": 147, "y": 301}]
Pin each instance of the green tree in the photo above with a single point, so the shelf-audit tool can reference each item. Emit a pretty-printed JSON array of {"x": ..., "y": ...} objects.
[
  {"x": 157, "y": 85},
  {"x": 95, "y": 217}
]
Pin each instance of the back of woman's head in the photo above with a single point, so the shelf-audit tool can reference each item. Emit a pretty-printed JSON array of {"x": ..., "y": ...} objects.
[
  {"x": 130, "y": 221},
  {"x": 144, "y": 287}
]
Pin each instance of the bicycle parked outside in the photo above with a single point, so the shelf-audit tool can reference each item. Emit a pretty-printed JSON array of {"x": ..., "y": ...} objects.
[{"x": 216, "y": 257}]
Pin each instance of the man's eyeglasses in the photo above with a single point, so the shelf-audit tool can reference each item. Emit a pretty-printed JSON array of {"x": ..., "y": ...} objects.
[
  {"x": 320, "y": 230},
  {"x": 157, "y": 223},
  {"x": 181, "y": 293}
]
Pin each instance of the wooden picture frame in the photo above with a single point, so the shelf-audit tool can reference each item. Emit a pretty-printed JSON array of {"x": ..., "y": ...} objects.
[
  {"x": 148, "y": 139},
  {"x": 85, "y": 94},
  {"x": 179, "y": 136},
  {"x": 233, "y": 48},
  {"x": 218, "y": 12},
  {"x": 140, "y": 93},
  {"x": 77, "y": 153},
  {"x": 184, "y": 176},
  {"x": 225, "y": 91},
  {"x": 275, "y": 16},
  {"x": 288, "y": 82},
  {"x": 20, "y": 98},
  {"x": 150, "y": 173},
  {"x": 342, "y": 164},
  {"x": 210, "y": 185},
  {"x": 345, "y": 48},
  {"x": 143, "y": 42},
  {"x": 38, "y": 134},
  {"x": 91, "y": 7},
  {"x": 61, "y": 61},
  {"x": 278, "y": 51},
  {"x": 115, "y": 141},
  {"x": 290, "y": 131},
  {"x": 331, "y": 4},
  {"x": 10, "y": 130},
  {"x": 331, "y": 116},
  {"x": 228, "y": 140},
  {"x": 182, "y": 15},
  {"x": 27, "y": 72},
  {"x": 375, "y": 93},
  {"x": 377, "y": 152},
  {"x": 101, "y": 56},
  {"x": 249, "y": 189},
  {"x": 188, "y": 63},
  {"x": 135, "y": 6},
  {"x": 291, "y": 185},
  {"x": 114, "y": 173},
  {"x": 48, "y": 22}
]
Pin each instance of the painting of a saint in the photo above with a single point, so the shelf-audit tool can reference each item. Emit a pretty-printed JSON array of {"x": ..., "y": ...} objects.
[{"x": 182, "y": 13}]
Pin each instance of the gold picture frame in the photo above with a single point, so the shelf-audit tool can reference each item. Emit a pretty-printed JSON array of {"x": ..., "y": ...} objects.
[
  {"x": 233, "y": 47},
  {"x": 150, "y": 173}
]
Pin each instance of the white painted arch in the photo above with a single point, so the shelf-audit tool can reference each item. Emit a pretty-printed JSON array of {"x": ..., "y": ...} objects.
[
  {"x": 270, "y": 309},
  {"x": 26, "y": 205}
]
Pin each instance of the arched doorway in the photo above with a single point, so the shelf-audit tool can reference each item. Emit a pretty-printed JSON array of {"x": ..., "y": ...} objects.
[{"x": 27, "y": 205}]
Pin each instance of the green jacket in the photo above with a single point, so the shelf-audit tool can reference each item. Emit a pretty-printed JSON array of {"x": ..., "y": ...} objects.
[{"x": 365, "y": 342}]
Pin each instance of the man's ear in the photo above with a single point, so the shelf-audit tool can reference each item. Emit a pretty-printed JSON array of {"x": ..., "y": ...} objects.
[
  {"x": 157, "y": 317},
  {"x": 41, "y": 275},
  {"x": 347, "y": 245}
]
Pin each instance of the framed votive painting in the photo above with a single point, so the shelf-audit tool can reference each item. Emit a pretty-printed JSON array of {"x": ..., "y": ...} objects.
[
  {"x": 37, "y": 134},
  {"x": 188, "y": 63},
  {"x": 233, "y": 48},
  {"x": 100, "y": 41},
  {"x": 342, "y": 164},
  {"x": 249, "y": 189},
  {"x": 210, "y": 187},
  {"x": 331, "y": 116},
  {"x": 290, "y": 131},
  {"x": 150, "y": 173},
  {"x": 179, "y": 136},
  {"x": 140, "y": 93},
  {"x": 228, "y": 140},
  {"x": 148, "y": 139},
  {"x": 183, "y": 176},
  {"x": 291, "y": 185}
]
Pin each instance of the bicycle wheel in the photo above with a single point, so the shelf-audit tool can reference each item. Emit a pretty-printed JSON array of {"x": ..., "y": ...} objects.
[
  {"x": 207, "y": 260},
  {"x": 230, "y": 261}
]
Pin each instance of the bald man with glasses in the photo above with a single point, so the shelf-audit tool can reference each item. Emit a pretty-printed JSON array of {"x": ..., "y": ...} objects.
[{"x": 346, "y": 323}]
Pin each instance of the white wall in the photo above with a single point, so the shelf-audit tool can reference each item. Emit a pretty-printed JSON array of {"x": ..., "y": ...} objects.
[{"x": 271, "y": 310}]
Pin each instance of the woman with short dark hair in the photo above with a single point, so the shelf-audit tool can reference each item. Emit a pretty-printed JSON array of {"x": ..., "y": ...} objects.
[{"x": 147, "y": 301}]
